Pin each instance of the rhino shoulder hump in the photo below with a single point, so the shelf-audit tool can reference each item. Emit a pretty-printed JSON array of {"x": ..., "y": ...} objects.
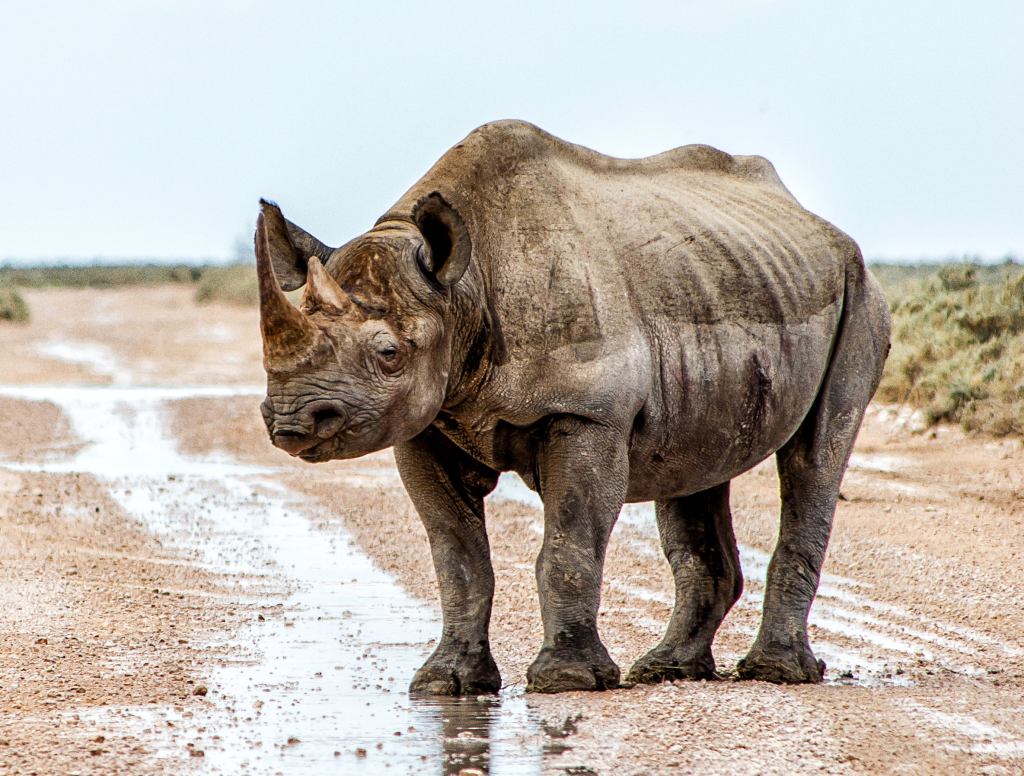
[{"x": 705, "y": 158}]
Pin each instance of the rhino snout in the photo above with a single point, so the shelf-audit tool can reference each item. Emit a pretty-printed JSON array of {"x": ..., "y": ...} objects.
[{"x": 317, "y": 421}]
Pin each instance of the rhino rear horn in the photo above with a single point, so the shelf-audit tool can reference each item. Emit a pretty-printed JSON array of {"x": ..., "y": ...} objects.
[
  {"x": 290, "y": 247},
  {"x": 447, "y": 239},
  {"x": 322, "y": 289}
]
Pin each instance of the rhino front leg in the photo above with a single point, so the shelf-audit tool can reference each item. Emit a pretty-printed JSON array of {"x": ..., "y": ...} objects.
[
  {"x": 698, "y": 540},
  {"x": 447, "y": 487},
  {"x": 583, "y": 471}
]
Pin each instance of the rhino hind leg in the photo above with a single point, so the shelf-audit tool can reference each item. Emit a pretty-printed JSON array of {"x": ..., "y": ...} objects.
[
  {"x": 782, "y": 652},
  {"x": 811, "y": 467},
  {"x": 698, "y": 540}
]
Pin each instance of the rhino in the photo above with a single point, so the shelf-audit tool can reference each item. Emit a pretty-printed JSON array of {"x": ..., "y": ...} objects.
[{"x": 611, "y": 330}]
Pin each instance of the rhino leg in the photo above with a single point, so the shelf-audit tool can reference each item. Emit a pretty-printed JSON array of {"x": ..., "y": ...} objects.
[
  {"x": 447, "y": 488},
  {"x": 698, "y": 540},
  {"x": 811, "y": 467},
  {"x": 583, "y": 473}
]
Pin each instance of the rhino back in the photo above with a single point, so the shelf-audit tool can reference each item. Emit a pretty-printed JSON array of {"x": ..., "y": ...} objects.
[{"x": 576, "y": 247}]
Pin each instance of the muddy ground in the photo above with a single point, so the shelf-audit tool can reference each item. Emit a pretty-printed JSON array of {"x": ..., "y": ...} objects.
[{"x": 177, "y": 595}]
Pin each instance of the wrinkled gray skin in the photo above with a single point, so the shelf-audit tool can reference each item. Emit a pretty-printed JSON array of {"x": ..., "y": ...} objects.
[{"x": 612, "y": 330}]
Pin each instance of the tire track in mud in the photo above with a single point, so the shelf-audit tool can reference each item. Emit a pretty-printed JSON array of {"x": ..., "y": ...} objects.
[
  {"x": 962, "y": 731},
  {"x": 864, "y": 641}
]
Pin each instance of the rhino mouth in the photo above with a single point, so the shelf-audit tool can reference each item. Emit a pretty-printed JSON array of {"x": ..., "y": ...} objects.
[
  {"x": 343, "y": 445},
  {"x": 320, "y": 452}
]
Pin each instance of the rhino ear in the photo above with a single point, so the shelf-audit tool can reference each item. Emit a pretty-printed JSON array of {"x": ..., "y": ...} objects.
[
  {"x": 448, "y": 244},
  {"x": 290, "y": 247}
]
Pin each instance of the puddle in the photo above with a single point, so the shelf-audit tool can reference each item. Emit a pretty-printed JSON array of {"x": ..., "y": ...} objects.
[
  {"x": 98, "y": 358},
  {"x": 321, "y": 683},
  {"x": 123, "y": 430}
]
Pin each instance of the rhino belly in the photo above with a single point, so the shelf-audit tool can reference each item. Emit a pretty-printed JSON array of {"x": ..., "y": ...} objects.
[{"x": 726, "y": 396}]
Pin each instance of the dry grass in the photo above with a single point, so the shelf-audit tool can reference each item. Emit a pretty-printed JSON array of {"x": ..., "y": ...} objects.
[
  {"x": 233, "y": 284},
  {"x": 958, "y": 345},
  {"x": 99, "y": 275}
]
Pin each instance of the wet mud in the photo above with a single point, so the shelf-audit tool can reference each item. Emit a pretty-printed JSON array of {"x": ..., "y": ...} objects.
[{"x": 179, "y": 595}]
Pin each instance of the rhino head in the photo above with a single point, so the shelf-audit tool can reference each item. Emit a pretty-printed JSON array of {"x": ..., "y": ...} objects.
[{"x": 363, "y": 362}]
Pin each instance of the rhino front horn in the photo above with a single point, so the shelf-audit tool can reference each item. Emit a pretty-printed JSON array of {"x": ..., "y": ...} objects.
[{"x": 287, "y": 333}]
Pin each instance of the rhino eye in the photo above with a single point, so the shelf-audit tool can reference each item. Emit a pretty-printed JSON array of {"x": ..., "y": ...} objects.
[{"x": 390, "y": 355}]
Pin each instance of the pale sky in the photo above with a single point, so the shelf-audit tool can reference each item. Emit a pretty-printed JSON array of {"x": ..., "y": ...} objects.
[{"x": 150, "y": 129}]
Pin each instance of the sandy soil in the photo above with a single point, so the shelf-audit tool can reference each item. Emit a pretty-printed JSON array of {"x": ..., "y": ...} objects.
[
  {"x": 96, "y": 616},
  {"x": 920, "y": 615}
]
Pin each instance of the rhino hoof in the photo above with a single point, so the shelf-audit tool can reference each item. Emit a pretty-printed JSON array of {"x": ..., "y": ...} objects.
[
  {"x": 662, "y": 666},
  {"x": 796, "y": 665},
  {"x": 468, "y": 675},
  {"x": 551, "y": 673}
]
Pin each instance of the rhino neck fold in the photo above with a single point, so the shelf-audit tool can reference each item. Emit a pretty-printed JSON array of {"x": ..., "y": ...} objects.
[{"x": 477, "y": 344}]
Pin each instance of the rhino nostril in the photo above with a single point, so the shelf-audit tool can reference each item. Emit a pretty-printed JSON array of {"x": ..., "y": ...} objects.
[{"x": 327, "y": 423}]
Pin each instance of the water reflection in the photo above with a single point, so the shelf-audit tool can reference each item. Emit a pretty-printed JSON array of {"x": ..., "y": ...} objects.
[{"x": 487, "y": 735}]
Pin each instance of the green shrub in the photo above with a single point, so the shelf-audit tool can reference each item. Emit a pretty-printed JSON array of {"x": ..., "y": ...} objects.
[
  {"x": 12, "y": 305},
  {"x": 957, "y": 277},
  {"x": 958, "y": 345}
]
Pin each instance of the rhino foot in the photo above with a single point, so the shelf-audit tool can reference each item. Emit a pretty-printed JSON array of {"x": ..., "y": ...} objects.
[
  {"x": 781, "y": 665},
  {"x": 666, "y": 665},
  {"x": 563, "y": 670},
  {"x": 455, "y": 673}
]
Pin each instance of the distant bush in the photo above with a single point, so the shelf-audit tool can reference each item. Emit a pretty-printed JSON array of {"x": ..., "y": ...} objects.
[
  {"x": 99, "y": 275},
  {"x": 12, "y": 305},
  {"x": 233, "y": 284},
  {"x": 958, "y": 346}
]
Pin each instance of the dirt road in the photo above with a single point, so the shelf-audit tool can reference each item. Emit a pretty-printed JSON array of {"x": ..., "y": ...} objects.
[{"x": 177, "y": 595}]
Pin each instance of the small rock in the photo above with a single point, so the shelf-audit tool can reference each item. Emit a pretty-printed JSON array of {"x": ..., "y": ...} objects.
[
  {"x": 360, "y": 752},
  {"x": 200, "y": 689}
]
